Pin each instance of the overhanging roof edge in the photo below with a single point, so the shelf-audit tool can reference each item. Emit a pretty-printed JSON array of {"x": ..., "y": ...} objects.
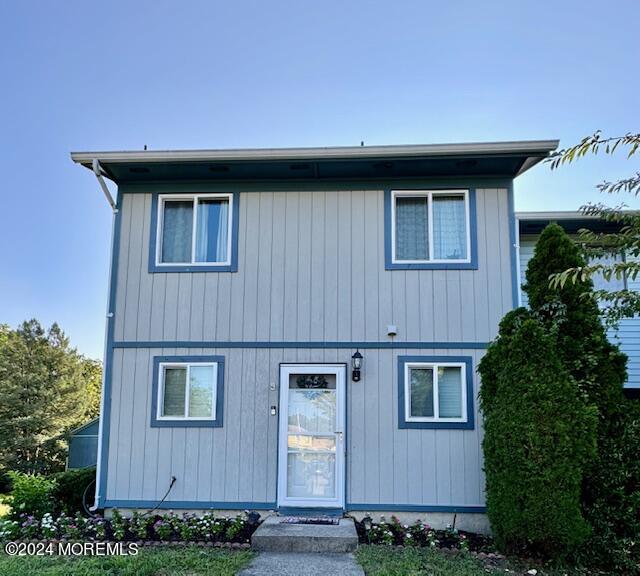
[{"x": 536, "y": 148}]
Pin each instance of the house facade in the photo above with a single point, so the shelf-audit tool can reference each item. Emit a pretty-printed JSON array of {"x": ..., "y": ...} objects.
[{"x": 300, "y": 328}]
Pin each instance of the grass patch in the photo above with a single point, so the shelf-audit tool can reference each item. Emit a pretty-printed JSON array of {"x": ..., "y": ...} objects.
[
  {"x": 392, "y": 561},
  {"x": 388, "y": 561},
  {"x": 182, "y": 561}
]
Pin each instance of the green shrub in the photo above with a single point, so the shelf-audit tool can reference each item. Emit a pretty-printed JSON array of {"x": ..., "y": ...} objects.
[
  {"x": 539, "y": 436},
  {"x": 597, "y": 365},
  {"x": 70, "y": 489},
  {"x": 31, "y": 494},
  {"x": 611, "y": 497},
  {"x": 611, "y": 486}
]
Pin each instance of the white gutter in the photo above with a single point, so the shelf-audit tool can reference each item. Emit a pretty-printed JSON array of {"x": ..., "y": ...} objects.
[
  {"x": 99, "y": 175},
  {"x": 534, "y": 147},
  {"x": 518, "y": 269}
]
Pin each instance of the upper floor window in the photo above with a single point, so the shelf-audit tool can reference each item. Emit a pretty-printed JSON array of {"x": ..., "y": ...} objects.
[
  {"x": 194, "y": 230},
  {"x": 430, "y": 226}
]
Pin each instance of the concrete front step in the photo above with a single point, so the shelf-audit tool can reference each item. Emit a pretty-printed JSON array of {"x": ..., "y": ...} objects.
[{"x": 274, "y": 536}]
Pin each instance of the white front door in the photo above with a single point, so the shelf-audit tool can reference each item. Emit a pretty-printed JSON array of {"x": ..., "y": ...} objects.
[{"x": 311, "y": 440}]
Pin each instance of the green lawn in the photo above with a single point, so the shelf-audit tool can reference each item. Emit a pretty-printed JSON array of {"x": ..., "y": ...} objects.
[
  {"x": 183, "y": 561},
  {"x": 389, "y": 561}
]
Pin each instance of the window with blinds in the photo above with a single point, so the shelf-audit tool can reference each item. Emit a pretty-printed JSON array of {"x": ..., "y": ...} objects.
[{"x": 430, "y": 226}]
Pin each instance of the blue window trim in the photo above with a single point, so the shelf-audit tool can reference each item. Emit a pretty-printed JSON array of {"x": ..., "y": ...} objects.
[
  {"x": 153, "y": 240},
  {"x": 467, "y": 361},
  {"x": 473, "y": 232},
  {"x": 217, "y": 423}
]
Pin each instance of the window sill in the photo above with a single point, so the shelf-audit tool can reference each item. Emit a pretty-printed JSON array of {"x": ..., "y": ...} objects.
[
  {"x": 431, "y": 266},
  {"x": 436, "y": 425},
  {"x": 190, "y": 268},
  {"x": 186, "y": 423}
]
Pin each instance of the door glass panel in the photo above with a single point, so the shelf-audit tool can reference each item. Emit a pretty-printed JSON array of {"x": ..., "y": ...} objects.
[
  {"x": 311, "y": 475},
  {"x": 312, "y": 410},
  {"x": 311, "y": 442}
]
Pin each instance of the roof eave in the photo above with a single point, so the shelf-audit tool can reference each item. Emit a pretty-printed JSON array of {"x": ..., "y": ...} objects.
[{"x": 535, "y": 151}]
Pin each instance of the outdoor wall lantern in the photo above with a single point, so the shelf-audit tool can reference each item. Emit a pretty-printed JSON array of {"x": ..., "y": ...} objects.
[{"x": 356, "y": 365}]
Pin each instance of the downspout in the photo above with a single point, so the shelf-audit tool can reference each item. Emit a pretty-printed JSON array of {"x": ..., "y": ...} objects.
[
  {"x": 99, "y": 172},
  {"x": 518, "y": 270}
]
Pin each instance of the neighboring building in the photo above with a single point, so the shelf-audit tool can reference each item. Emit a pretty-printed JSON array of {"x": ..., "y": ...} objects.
[
  {"x": 83, "y": 445},
  {"x": 627, "y": 334},
  {"x": 244, "y": 283}
]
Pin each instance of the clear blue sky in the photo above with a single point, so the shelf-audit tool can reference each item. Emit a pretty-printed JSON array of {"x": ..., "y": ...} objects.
[{"x": 185, "y": 74}]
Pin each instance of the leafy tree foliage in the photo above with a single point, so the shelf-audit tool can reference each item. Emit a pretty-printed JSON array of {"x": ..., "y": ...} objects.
[
  {"x": 611, "y": 484},
  {"x": 46, "y": 389},
  {"x": 539, "y": 438},
  {"x": 622, "y": 247}
]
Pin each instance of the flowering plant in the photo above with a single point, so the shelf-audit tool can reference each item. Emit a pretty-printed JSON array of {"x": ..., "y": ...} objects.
[
  {"x": 165, "y": 527},
  {"x": 394, "y": 532},
  {"x": 29, "y": 526}
]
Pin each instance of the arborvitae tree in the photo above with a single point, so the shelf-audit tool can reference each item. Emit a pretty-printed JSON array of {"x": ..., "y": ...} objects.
[
  {"x": 539, "y": 436},
  {"x": 611, "y": 487},
  {"x": 596, "y": 364},
  {"x": 43, "y": 394}
]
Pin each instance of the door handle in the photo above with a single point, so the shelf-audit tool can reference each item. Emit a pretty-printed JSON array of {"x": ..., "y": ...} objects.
[{"x": 339, "y": 434}]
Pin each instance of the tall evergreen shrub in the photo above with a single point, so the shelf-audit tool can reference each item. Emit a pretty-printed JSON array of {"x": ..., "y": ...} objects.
[
  {"x": 611, "y": 487},
  {"x": 539, "y": 436}
]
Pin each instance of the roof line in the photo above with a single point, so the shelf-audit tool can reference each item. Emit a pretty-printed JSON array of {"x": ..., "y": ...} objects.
[{"x": 537, "y": 147}]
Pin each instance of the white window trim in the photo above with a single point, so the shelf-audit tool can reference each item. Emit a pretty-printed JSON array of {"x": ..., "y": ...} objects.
[
  {"x": 162, "y": 198},
  {"x": 436, "y": 407},
  {"x": 429, "y": 194},
  {"x": 188, "y": 365}
]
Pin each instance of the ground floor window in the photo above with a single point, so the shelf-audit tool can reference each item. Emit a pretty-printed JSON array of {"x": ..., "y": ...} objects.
[
  {"x": 435, "y": 392},
  {"x": 187, "y": 391}
]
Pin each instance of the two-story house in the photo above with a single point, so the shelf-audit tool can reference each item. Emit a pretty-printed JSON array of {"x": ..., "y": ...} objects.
[{"x": 300, "y": 328}]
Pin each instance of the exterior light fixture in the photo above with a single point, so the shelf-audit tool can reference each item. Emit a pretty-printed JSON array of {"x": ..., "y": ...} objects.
[{"x": 356, "y": 365}]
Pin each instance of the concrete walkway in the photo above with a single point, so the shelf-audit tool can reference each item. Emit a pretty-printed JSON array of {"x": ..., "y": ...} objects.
[{"x": 303, "y": 564}]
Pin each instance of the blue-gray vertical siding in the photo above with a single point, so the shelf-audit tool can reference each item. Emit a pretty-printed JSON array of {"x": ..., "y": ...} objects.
[
  {"x": 310, "y": 269},
  {"x": 236, "y": 464}
]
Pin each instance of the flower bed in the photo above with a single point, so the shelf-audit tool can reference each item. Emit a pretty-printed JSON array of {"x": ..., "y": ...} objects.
[
  {"x": 167, "y": 527},
  {"x": 394, "y": 533}
]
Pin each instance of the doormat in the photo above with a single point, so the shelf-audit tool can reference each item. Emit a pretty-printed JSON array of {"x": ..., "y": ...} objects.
[{"x": 326, "y": 520}]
